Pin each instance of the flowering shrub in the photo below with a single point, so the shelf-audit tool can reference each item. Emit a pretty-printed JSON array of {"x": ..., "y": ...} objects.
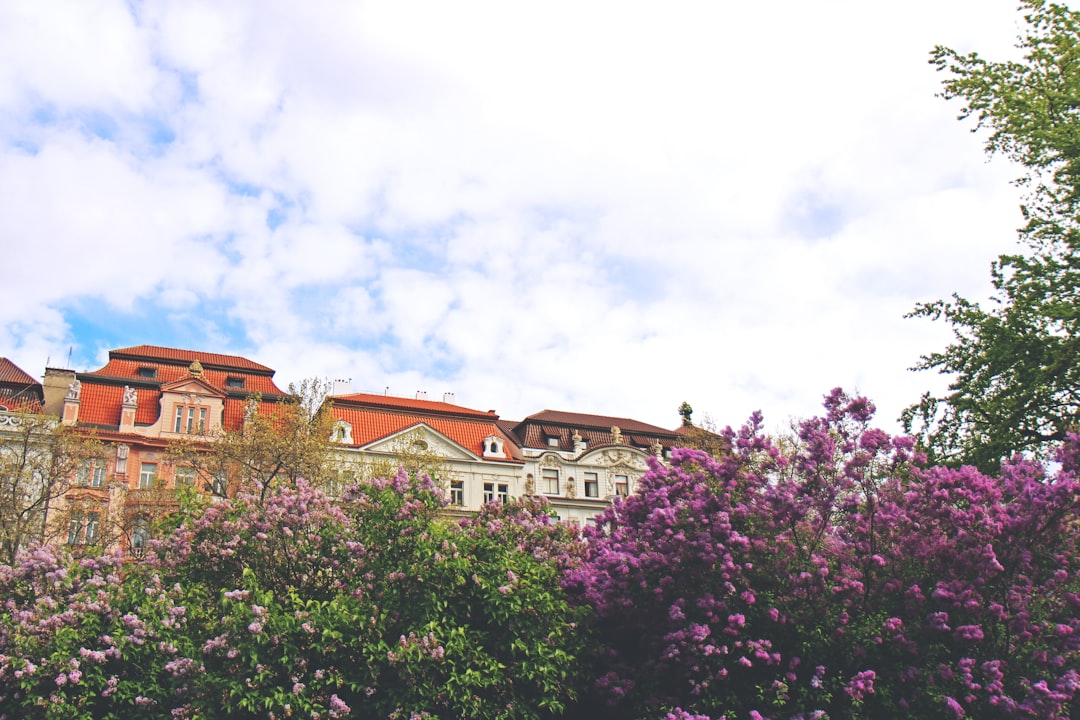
[
  {"x": 293, "y": 606},
  {"x": 842, "y": 579}
]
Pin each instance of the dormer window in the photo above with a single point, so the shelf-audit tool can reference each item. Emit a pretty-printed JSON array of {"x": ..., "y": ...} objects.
[
  {"x": 234, "y": 382},
  {"x": 553, "y": 442},
  {"x": 493, "y": 447},
  {"x": 149, "y": 373},
  {"x": 342, "y": 433}
]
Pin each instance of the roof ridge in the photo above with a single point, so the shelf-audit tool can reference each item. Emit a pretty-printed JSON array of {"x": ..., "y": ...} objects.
[
  {"x": 393, "y": 402},
  {"x": 163, "y": 353}
]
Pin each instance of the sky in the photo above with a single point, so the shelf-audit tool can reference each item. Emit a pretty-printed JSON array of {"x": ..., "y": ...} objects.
[{"x": 589, "y": 206}]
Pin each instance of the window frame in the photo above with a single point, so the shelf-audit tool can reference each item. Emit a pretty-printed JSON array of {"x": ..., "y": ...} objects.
[
  {"x": 592, "y": 480},
  {"x": 550, "y": 479},
  {"x": 147, "y": 479}
]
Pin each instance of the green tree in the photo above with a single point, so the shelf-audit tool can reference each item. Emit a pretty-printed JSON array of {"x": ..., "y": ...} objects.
[
  {"x": 1015, "y": 380},
  {"x": 39, "y": 461},
  {"x": 278, "y": 442}
]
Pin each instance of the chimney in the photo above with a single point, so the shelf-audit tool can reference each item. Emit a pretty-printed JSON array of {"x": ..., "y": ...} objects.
[
  {"x": 342, "y": 387},
  {"x": 421, "y": 394},
  {"x": 448, "y": 398},
  {"x": 56, "y": 384}
]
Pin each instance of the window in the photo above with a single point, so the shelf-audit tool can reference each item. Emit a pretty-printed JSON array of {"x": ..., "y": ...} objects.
[
  {"x": 234, "y": 382},
  {"x": 592, "y": 485},
  {"x": 185, "y": 477},
  {"x": 219, "y": 484},
  {"x": 185, "y": 419},
  {"x": 93, "y": 525},
  {"x": 140, "y": 535},
  {"x": 147, "y": 475},
  {"x": 622, "y": 485},
  {"x": 84, "y": 528},
  {"x": 553, "y": 442},
  {"x": 147, "y": 372},
  {"x": 457, "y": 492},
  {"x": 499, "y": 491},
  {"x": 550, "y": 477},
  {"x": 91, "y": 472},
  {"x": 75, "y": 528}
]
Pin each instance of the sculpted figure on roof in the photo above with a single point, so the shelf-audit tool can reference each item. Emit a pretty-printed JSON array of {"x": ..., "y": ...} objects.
[
  {"x": 130, "y": 396},
  {"x": 74, "y": 389}
]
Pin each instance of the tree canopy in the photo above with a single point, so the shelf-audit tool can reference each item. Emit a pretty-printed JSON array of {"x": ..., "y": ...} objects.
[{"x": 1015, "y": 381}]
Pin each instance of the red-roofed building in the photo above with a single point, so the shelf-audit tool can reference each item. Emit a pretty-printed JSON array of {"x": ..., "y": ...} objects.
[
  {"x": 19, "y": 392},
  {"x": 582, "y": 462},
  {"x": 579, "y": 462},
  {"x": 144, "y": 397},
  {"x": 481, "y": 461}
]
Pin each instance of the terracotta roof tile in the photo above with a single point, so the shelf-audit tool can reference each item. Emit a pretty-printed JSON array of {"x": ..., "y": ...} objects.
[
  {"x": 20, "y": 402},
  {"x": 99, "y": 404},
  {"x": 536, "y": 430},
  {"x": 370, "y": 425},
  {"x": 12, "y": 373},
  {"x": 19, "y": 392},
  {"x": 235, "y": 409},
  {"x": 375, "y": 417},
  {"x": 129, "y": 370},
  {"x": 390, "y": 401},
  {"x": 154, "y": 352},
  {"x": 604, "y": 422}
]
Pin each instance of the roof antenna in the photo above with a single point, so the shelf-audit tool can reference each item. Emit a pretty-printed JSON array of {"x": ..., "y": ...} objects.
[{"x": 69, "y": 355}]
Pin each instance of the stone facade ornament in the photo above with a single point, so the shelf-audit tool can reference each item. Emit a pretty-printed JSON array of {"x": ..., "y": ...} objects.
[
  {"x": 74, "y": 390},
  {"x": 530, "y": 484},
  {"x": 657, "y": 448},
  {"x": 195, "y": 368},
  {"x": 130, "y": 396},
  {"x": 616, "y": 435}
]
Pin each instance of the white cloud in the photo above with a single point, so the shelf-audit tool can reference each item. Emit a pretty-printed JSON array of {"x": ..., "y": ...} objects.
[{"x": 601, "y": 207}]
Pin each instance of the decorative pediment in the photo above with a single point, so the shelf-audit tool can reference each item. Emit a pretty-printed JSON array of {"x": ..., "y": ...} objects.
[
  {"x": 192, "y": 386},
  {"x": 551, "y": 460},
  {"x": 631, "y": 458},
  {"x": 420, "y": 438}
]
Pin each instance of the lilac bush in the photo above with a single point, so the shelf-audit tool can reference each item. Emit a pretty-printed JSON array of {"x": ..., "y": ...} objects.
[
  {"x": 295, "y": 606},
  {"x": 841, "y": 579}
]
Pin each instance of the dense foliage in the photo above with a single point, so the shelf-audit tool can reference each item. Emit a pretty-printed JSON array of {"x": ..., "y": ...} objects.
[
  {"x": 842, "y": 580},
  {"x": 1014, "y": 379},
  {"x": 298, "y": 607},
  {"x": 837, "y": 575}
]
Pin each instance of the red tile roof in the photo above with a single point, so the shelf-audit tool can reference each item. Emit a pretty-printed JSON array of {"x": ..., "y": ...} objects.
[
  {"x": 596, "y": 421},
  {"x": 154, "y": 352},
  {"x": 375, "y": 417},
  {"x": 19, "y": 392},
  {"x": 235, "y": 408},
  {"x": 536, "y": 430},
  {"x": 12, "y": 373},
  {"x": 129, "y": 370},
  {"x": 399, "y": 403},
  {"x": 102, "y": 390}
]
